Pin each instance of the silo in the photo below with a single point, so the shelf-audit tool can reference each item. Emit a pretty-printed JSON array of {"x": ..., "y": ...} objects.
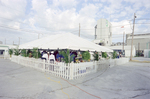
[{"x": 104, "y": 32}]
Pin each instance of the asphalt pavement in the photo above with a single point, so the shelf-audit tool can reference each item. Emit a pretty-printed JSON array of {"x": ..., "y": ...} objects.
[{"x": 127, "y": 81}]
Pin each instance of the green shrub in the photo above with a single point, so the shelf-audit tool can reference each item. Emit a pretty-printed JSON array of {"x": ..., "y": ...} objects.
[
  {"x": 24, "y": 53},
  {"x": 86, "y": 55},
  {"x": 114, "y": 54},
  {"x": 66, "y": 56},
  {"x": 36, "y": 53},
  {"x": 104, "y": 54},
  {"x": 16, "y": 51},
  {"x": 10, "y": 52},
  {"x": 96, "y": 56}
]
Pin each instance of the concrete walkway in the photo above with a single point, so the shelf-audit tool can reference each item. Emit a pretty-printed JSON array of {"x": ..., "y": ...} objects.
[{"x": 131, "y": 80}]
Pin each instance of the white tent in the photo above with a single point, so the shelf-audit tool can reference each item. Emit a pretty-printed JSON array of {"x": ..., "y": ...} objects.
[{"x": 64, "y": 41}]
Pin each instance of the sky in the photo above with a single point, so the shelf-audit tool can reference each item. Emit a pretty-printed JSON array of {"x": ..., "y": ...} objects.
[{"x": 28, "y": 20}]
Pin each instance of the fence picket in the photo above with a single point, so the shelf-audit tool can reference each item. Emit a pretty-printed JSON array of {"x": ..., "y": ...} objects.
[{"x": 67, "y": 71}]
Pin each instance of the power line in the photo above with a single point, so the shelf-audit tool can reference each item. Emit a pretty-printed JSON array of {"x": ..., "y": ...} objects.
[
  {"x": 30, "y": 31},
  {"x": 19, "y": 29},
  {"x": 25, "y": 30},
  {"x": 28, "y": 24},
  {"x": 141, "y": 19}
]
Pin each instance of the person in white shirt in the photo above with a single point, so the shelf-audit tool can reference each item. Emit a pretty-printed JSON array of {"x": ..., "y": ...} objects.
[
  {"x": 45, "y": 56},
  {"x": 52, "y": 61},
  {"x": 52, "y": 57}
]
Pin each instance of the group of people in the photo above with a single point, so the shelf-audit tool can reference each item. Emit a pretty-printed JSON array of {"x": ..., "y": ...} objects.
[
  {"x": 119, "y": 55},
  {"x": 48, "y": 56}
]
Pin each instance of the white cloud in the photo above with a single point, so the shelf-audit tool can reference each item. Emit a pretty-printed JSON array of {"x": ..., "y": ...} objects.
[
  {"x": 116, "y": 27},
  {"x": 65, "y": 3},
  {"x": 89, "y": 10},
  {"x": 39, "y": 5},
  {"x": 67, "y": 20},
  {"x": 12, "y": 9},
  {"x": 32, "y": 22},
  {"x": 16, "y": 25}
]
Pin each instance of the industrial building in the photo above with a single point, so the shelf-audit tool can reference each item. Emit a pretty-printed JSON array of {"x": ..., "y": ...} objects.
[
  {"x": 140, "y": 41},
  {"x": 147, "y": 53},
  {"x": 103, "y": 37},
  {"x": 103, "y": 33}
]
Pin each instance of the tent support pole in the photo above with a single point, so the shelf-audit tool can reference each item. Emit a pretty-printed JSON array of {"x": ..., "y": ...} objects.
[
  {"x": 69, "y": 57},
  {"x": 26, "y": 52},
  {"x": 37, "y": 53}
]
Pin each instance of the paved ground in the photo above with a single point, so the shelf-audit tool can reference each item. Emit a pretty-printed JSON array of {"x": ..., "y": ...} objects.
[
  {"x": 128, "y": 81},
  {"x": 141, "y": 59}
]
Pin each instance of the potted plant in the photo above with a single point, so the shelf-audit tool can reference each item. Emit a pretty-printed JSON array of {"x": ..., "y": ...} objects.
[
  {"x": 16, "y": 51},
  {"x": 96, "y": 57},
  {"x": 104, "y": 54},
  {"x": 23, "y": 53},
  {"x": 86, "y": 56},
  {"x": 10, "y": 52},
  {"x": 114, "y": 55},
  {"x": 36, "y": 53},
  {"x": 66, "y": 56}
]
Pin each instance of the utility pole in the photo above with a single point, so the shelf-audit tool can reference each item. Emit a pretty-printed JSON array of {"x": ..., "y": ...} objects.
[
  {"x": 138, "y": 50},
  {"x": 79, "y": 29},
  {"x": 5, "y": 40},
  {"x": 123, "y": 42},
  {"x": 132, "y": 37},
  {"x": 95, "y": 31}
]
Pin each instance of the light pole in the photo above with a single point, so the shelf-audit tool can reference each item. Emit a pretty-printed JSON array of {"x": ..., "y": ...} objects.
[
  {"x": 132, "y": 37},
  {"x": 79, "y": 29},
  {"x": 123, "y": 40},
  {"x": 123, "y": 43}
]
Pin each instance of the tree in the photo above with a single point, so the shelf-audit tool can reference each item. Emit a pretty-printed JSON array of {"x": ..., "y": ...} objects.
[
  {"x": 96, "y": 56},
  {"x": 66, "y": 56},
  {"x": 104, "y": 54},
  {"x": 86, "y": 55},
  {"x": 10, "y": 52}
]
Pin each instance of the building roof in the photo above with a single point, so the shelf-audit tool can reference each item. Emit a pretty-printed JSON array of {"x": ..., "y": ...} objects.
[
  {"x": 139, "y": 37},
  {"x": 8, "y": 46},
  {"x": 121, "y": 47}
]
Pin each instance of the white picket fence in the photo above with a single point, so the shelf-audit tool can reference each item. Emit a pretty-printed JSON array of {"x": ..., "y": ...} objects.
[
  {"x": 60, "y": 69},
  {"x": 68, "y": 71}
]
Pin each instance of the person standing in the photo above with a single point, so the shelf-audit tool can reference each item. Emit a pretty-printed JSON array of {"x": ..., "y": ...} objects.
[
  {"x": 45, "y": 56},
  {"x": 52, "y": 61},
  {"x": 100, "y": 55}
]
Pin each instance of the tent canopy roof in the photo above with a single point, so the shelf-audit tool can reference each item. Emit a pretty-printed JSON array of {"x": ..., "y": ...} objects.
[{"x": 64, "y": 41}]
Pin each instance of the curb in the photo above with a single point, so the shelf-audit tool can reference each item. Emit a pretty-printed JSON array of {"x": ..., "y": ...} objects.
[{"x": 140, "y": 61}]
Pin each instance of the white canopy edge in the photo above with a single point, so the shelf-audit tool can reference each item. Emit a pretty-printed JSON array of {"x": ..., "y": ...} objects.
[{"x": 64, "y": 41}]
